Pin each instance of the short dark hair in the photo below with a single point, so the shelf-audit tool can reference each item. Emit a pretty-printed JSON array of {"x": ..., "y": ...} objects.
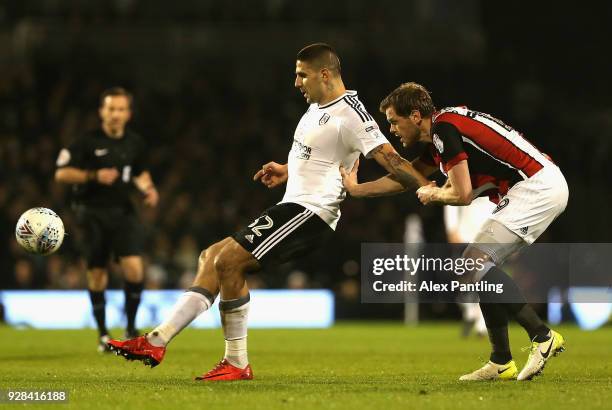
[
  {"x": 407, "y": 98},
  {"x": 321, "y": 55},
  {"x": 116, "y": 91}
]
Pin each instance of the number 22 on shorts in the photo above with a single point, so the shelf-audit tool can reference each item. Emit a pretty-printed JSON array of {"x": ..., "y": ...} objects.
[{"x": 267, "y": 224}]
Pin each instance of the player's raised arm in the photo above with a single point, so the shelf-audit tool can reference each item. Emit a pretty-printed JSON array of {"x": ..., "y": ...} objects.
[
  {"x": 403, "y": 175},
  {"x": 272, "y": 174}
]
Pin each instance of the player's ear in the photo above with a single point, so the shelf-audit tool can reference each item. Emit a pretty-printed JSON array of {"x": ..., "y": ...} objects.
[
  {"x": 416, "y": 116},
  {"x": 324, "y": 74}
]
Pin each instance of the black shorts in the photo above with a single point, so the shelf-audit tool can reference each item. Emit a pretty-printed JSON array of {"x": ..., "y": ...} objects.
[
  {"x": 107, "y": 232},
  {"x": 282, "y": 233}
]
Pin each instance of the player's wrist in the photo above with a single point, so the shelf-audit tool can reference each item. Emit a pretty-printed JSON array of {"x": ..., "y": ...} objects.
[
  {"x": 355, "y": 190},
  {"x": 92, "y": 175},
  {"x": 145, "y": 190}
]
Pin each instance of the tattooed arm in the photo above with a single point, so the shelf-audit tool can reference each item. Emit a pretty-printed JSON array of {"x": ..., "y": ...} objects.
[{"x": 403, "y": 175}]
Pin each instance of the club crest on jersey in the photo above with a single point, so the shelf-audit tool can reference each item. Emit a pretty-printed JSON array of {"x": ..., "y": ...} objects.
[
  {"x": 438, "y": 143},
  {"x": 324, "y": 119},
  {"x": 63, "y": 158}
]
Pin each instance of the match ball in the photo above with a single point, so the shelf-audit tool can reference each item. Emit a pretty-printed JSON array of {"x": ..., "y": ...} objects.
[{"x": 40, "y": 231}]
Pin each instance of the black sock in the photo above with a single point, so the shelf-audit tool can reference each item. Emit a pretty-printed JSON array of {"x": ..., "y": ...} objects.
[
  {"x": 516, "y": 305},
  {"x": 133, "y": 290},
  {"x": 531, "y": 322},
  {"x": 98, "y": 304},
  {"x": 496, "y": 318},
  {"x": 511, "y": 294}
]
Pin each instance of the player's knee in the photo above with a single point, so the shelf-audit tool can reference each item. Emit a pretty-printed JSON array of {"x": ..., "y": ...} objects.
[
  {"x": 202, "y": 256},
  {"x": 134, "y": 274},
  {"x": 479, "y": 261},
  {"x": 212, "y": 250},
  {"x": 97, "y": 273},
  {"x": 133, "y": 269},
  {"x": 227, "y": 264},
  {"x": 96, "y": 278},
  {"x": 224, "y": 264}
]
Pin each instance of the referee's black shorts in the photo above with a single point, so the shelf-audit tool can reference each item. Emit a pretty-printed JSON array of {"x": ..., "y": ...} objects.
[
  {"x": 283, "y": 232},
  {"x": 109, "y": 232}
]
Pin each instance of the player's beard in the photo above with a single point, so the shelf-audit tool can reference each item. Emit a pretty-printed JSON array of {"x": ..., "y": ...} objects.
[
  {"x": 411, "y": 139},
  {"x": 116, "y": 127}
]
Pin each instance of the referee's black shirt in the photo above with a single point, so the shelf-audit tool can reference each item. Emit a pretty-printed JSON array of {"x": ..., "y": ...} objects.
[{"x": 95, "y": 150}]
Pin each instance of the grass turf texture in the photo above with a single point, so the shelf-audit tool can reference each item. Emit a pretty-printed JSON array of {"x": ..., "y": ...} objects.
[{"x": 350, "y": 366}]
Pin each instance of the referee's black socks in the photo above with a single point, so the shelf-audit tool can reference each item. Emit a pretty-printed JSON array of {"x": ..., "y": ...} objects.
[
  {"x": 98, "y": 304},
  {"x": 133, "y": 291}
]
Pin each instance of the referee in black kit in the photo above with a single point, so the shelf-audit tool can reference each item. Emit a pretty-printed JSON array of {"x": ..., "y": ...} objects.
[{"x": 104, "y": 165}]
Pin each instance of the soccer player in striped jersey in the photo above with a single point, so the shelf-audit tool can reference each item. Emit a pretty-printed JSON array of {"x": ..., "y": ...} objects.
[
  {"x": 335, "y": 130},
  {"x": 482, "y": 156}
]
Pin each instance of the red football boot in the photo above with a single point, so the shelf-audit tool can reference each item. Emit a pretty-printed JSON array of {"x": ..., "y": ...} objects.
[
  {"x": 138, "y": 349},
  {"x": 225, "y": 371}
]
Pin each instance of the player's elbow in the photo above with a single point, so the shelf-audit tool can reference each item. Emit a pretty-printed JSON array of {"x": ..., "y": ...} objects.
[
  {"x": 465, "y": 198},
  {"x": 61, "y": 176}
]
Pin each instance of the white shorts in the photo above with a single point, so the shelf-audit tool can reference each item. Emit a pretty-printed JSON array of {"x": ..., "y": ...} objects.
[{"x": 532, "y": 204}]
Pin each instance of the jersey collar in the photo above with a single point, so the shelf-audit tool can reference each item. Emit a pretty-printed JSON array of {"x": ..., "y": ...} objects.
[{"x": 329, "y": 104}]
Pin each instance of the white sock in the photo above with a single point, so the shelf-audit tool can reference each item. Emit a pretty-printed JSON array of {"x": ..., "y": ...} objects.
[
  {"x": 189, "y": 306},
  {"x": 236, "y": 352},
  {"x": 235, "y": 331},
  {"x": 480, "y": 326}
]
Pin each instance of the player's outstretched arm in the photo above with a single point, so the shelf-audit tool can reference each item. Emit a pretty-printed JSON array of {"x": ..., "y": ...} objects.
[
  {"x": 402, "y": 175},
  {"x": 456, "y": 191},
  {"x": 72, "y": 175},
  {"x": 272, "y": 174},
  {"x": 386, "y": 185}
]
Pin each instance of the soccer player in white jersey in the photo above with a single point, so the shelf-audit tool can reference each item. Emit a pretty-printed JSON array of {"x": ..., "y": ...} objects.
[
  {"x": 335, "y": 130},
  {"x": 482, "y": 156}
]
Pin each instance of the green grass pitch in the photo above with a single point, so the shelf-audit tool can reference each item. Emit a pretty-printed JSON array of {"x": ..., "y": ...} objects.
[{"x": 350, "y": 366}]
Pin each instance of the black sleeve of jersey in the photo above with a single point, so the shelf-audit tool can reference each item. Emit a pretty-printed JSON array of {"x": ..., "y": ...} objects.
[
  {"x": 78, "y": 154},
  {"x": 427, "y": 156},
  {"x": 449, "y": 144}
]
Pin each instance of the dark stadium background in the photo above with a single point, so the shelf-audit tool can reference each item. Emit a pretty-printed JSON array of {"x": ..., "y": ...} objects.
[{"x": 214, "y": 97}]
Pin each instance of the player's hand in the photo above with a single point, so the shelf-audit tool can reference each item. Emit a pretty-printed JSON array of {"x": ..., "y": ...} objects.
[
  {"x": 272, "y": 174},
  {"x": 151, "y": 197},
  {"x": 426, "y": 192},
  {"x": 107, "y": 176},
  {"x": 349, "y": 179}
]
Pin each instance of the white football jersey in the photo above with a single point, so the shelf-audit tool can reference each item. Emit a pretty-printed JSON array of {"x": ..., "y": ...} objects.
[{"x": 326, "y": 137}]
